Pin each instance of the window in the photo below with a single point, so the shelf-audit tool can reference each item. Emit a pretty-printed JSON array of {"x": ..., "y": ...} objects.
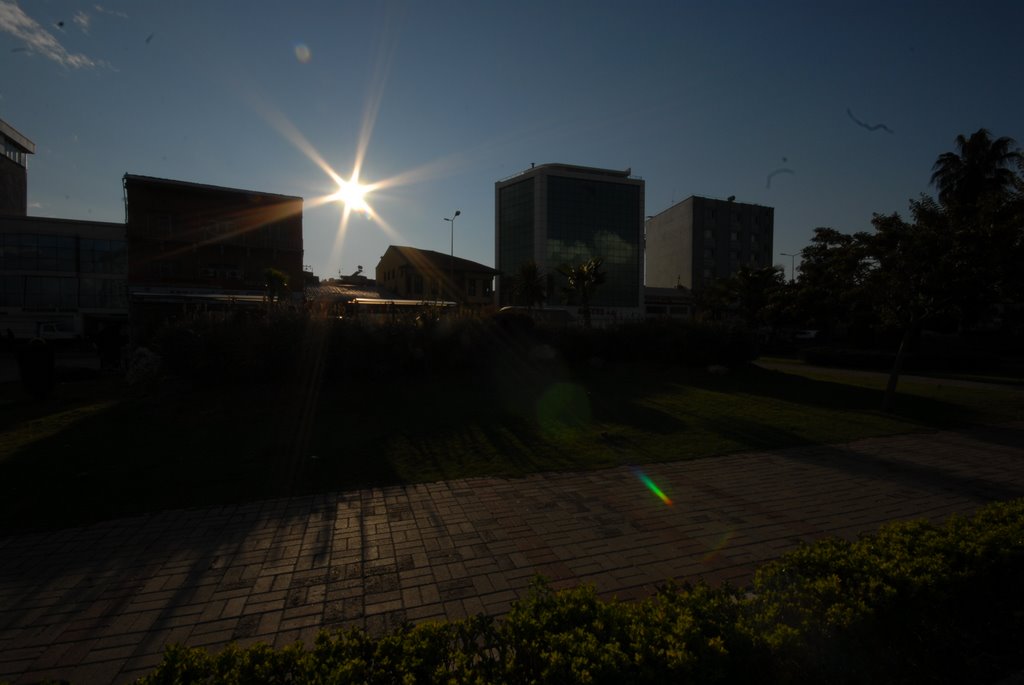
[
  {"x": 102, "y": 293},
  {"x": 12, "y": 291},
  {"x": 471, "y": 287},
  {"x": 51, "y": 293}
]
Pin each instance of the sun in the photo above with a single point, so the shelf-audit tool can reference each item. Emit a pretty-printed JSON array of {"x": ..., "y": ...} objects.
[{"x": 353, "y": 195}]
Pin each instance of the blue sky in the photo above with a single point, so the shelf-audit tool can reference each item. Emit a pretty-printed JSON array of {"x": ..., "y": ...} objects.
[{"x": 442, "y": 99}]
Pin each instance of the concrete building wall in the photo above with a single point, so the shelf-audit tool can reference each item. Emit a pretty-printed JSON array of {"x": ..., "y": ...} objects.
[
  {"x": 14, "y": 151},
  {"x": 191, "y": 235},
  {"x": 13, "y": 188},
  {"x": 702, "y": 239},
  {"x": 670, "y": 245},
  {"x": 417, "y": 274}
]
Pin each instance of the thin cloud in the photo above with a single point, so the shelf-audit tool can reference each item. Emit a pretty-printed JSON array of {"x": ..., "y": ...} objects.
[
  {"x": 114, "y": 13},
  {"x": 82, "y": 20},
  {"x": 23, "y": 27}
]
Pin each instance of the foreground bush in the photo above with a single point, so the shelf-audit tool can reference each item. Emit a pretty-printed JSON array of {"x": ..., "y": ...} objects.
[{"x": 912, "y": 603}]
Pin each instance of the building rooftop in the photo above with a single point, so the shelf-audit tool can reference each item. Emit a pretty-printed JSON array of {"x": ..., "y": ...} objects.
[
  {"x": 21, "y": 142},
  {"x": 571, "y": 168},
  {"x": 202, "y": 186},
  {"x": 729, "y": 201},
  {"x": 440, "y": 261}
]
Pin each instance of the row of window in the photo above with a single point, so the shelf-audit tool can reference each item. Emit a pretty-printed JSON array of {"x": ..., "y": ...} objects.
[
  {"x": 66, "y": 294},
  {"x": 414, "y": 285},
  {"x": 759, "y": 218},
  {"x": 11, "y": 151},
  {"x": 283, "y": 235},
  {"x": 735, "y": 255},
  {"x": 32, "y": 252}
]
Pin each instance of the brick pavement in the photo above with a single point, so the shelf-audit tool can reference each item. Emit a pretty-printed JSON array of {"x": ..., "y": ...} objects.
[{"x": 98, "y": 604}]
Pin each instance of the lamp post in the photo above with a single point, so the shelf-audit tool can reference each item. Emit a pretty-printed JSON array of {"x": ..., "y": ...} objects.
[
  {"x": 792, "y": 264},
  {"x": 451, "y": 267}
]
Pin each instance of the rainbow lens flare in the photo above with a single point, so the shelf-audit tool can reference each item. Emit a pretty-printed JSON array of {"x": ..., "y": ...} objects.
[{"x": 652, "y": 487}]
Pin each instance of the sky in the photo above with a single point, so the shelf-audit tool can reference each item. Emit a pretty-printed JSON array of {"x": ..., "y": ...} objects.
[{"x": 828, "y": 111}]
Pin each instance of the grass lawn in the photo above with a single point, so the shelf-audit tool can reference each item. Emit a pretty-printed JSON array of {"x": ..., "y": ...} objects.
[{"x": 94, "y": 451}]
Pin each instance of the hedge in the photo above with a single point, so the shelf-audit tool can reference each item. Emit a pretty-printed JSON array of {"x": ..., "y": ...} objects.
[
  {"x": 913, "y": 602},
  {"x": 217, "y": 349}
]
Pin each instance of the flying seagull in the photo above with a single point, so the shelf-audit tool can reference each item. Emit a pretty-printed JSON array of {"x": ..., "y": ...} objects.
[{"x": 868, "y": 126}]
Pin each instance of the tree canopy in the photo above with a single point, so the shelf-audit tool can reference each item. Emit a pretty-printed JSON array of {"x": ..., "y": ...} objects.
[{"x": 581, "y": 282}]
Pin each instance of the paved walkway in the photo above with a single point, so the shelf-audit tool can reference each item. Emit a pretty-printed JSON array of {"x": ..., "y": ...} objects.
[{"x": 98, "y": 604}]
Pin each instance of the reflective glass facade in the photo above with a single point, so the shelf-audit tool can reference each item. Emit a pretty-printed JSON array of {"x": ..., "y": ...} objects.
[
  {"x": 35, "y": 252},
  {"x": 587, "y": 219},
  {"x": 515, "y": 230},
  {"x": 565, "y": 215},
  {"x": 87, "y": 273}
]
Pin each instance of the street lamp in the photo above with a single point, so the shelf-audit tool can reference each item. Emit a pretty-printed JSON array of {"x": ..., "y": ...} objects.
[
  {"x": 792, "y": 264},
  {"x": 451, "y": 268}
]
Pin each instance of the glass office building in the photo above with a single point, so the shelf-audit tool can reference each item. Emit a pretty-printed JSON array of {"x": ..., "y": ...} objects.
[{"x": 561, "y": 215}]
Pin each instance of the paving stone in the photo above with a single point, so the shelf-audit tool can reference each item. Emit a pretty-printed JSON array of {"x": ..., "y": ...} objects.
[{"x": 100, "y": 603}]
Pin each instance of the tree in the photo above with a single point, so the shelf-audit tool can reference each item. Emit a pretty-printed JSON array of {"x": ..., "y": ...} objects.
[
  {"x": 917, "y": 276},
  {"x": 755, "y": 292},
  {"x": 276, "y": 283},
  {"x": 979, "y": 170},
  {"x": 983, "y": 194},
  {"x": 582, "y": 280},
  {"x": 529, "y": 286},
  {"x": 753, "y": 295},
  {"x": 830, "y": 294}
]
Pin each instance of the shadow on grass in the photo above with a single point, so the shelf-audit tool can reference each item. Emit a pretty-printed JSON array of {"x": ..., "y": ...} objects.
[
  {"x": 193, "y": 447},
  {"x": 896, "y": 468},
  {"x": 141, "y": 455},
  {"x": 798, "y": 389}
]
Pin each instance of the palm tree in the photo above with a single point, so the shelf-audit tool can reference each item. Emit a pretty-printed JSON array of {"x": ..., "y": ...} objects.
[
  {"x": 529, "y": 286},
  {"x": 980, "y": 169},
  {"x": 582, "y": 280}
]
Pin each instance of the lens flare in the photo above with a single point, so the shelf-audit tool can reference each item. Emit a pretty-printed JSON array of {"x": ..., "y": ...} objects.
[
  {"x": 652, "y": 487},
  {"x": 303, "y": 53}
]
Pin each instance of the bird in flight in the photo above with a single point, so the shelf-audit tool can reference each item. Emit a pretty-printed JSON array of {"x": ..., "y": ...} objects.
[
  {"x": 776, "y": 173},
  {"x": 868, "y": 126}
]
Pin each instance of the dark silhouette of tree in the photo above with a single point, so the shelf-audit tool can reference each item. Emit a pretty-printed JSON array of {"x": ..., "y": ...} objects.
[
  {"x": 830, "y": 294},
  {"x": 753, "y": 295},
  {"x": 983, "y": 194},
  {"x": 713, "y": 301},
  {"x": 917, "y": 277},
  {"x": 950, "y": 262},
  {"x": 755, "y": 292},
  {"x": 980, "y": 169},
  {"x": 276, "y": 283},
  {"x": 581, "y": 281},
  {"x": 529, "y": 286}
]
